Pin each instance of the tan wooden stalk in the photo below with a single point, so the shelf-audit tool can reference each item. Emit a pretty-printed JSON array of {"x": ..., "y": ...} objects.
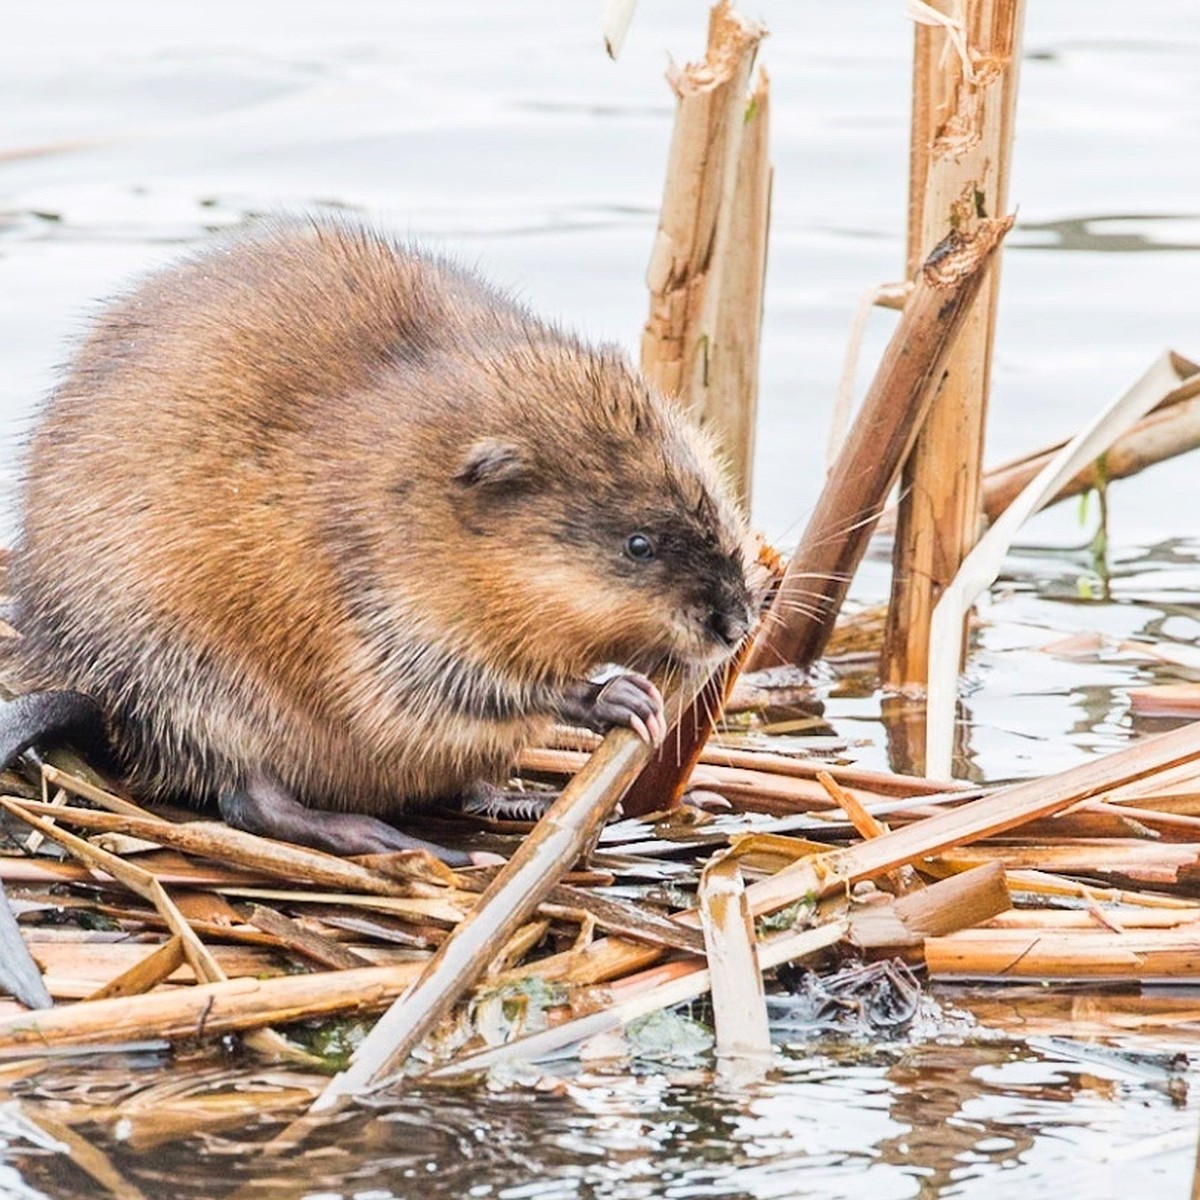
[
  {"x": 295, "y": 937},
  {"x": 707, "y": 267},
  {"x": 147, "y": 973},
  {"x": 765, "y": 762},
  {"x": 1002, "y": 810},
  {"x": 963, "y": 110},
  {"x": 209, "y": 1009},
  {"x": 892, "y": 412},
  {"x": 565, "y": 832},
  {"x": 725, "y": 393},
  {"x": 1146, "y": 954},
  {"x": 957, "y": 902},
  {"x": 212, "y": 839},
  {"x": 731, "y": 952}
]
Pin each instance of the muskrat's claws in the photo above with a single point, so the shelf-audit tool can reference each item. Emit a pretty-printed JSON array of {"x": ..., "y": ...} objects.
[
  {"x": 633, "y": 700},
  {"x": 502, "y": 804},
  {"x": 630, "y": 700}
]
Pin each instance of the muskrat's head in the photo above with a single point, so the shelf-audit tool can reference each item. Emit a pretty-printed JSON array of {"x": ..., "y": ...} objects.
[{"x": 600, "y": 525}]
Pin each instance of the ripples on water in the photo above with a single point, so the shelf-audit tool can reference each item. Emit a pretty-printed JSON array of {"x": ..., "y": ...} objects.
[
  {"x": 133, "y": 130},
  {"x": 923, "y": 1120}
]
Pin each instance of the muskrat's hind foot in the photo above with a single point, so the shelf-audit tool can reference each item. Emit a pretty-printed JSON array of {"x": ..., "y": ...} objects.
[
  {"x": 267, "y": 808},
  {"x": 504, "y": 804},
  {"x": 628, "y": 699}
]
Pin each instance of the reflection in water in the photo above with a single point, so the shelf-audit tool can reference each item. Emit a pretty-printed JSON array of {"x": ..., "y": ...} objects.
[
  {"x": 1027, "y": 710},
  {"x": 1113, "y": 234},
  {"x": 924, "y": 1120}
]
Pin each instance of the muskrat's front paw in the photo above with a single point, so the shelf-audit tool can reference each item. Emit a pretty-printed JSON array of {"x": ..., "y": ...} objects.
[
  {"x": 630, "y": 700},
  {"x": 633, "y": 700}
]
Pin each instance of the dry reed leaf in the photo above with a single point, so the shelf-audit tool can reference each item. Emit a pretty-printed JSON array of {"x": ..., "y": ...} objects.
[
  {"x": 630, "y": 920},
  {"x": 1172, "y": 428},
  {"x": 310, "y": 944},
  {"x": 449, "y": 910},
  {"x": 615, "y": 23},
  {"x": 981, "y": 566}
]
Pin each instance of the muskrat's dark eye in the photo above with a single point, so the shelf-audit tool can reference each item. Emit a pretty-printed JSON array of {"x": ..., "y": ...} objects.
[{"x": 639, "y": 547}]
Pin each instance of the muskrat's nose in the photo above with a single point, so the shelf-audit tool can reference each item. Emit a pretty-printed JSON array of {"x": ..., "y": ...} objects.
[{"x": 728, "y": 625}]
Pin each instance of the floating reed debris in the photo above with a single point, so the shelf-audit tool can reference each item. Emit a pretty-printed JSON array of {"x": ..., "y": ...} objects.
[
  {"x": 731, "y": 948},
  {"x": 951, "y": 925},
  {"x": 564, "y": 834}
]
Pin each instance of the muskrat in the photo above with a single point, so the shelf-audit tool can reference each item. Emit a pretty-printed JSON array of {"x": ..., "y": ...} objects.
[{"x": 329, "y": 528}]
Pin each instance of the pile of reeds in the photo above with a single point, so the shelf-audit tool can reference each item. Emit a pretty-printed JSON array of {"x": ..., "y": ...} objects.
[{"x": 163, "y": 929}]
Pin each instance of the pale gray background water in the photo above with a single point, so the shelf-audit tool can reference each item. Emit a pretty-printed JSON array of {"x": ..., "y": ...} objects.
[{"x": 131, "y": 128}]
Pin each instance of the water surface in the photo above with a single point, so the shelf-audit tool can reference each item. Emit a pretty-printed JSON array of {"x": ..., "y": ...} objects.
[{"x": 131, "y": 131}]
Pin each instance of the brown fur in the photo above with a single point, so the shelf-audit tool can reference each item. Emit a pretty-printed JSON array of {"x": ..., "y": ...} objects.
[{"x": 319, "y": 504}]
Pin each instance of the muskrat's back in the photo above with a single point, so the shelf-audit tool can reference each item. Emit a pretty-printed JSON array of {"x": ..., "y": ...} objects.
[{"x": 318, "y": 503}]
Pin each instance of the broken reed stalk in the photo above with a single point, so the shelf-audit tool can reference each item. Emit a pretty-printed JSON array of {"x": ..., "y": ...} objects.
[
  {"x": 141, "y": 882},
  {"x": 208, "y": 1009},
  {"x": 818, "y": 576},
  {"x": 957, "y": 902},
  {"x": 963, "y": 109},
  {"x": 707, "y": 265},
  {"x": 731, "y": 952},
  {"x": 1172, "y": 428},
  {"x": 942, "y": 908},
  {"x": 220, "y": 842},
  {"x": 667, "y": 775},
  {"x": 762, "y": 765},
  {"x": 725, "y": 393},
  {"x": 1165, "y": 955},
  {"x": 565, "y": 832},
  {"x": 649, "y": 991},
  {"x": 1002, "y": 810}
]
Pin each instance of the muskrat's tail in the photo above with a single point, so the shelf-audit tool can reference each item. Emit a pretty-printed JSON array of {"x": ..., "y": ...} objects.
[{"x": 41, "y": 718}]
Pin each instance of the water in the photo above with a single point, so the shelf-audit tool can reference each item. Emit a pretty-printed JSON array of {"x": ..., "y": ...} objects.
[
  {"x": 131, "y": 130},
  {"x": 988, "y": 1119}
]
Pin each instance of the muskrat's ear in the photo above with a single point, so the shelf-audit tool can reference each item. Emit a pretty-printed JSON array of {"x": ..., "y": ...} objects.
[{"x": 491, "y": 463}]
